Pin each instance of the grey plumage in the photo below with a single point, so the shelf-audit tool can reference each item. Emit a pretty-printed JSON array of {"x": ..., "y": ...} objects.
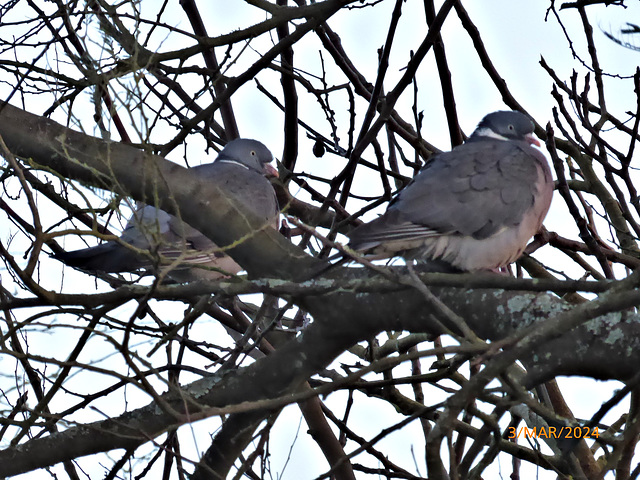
[
  {"x": 474, "y": 207},
  {"x": 186, "y": 254}
]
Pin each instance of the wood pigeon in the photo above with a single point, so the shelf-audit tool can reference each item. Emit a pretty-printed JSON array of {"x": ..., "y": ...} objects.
[
  {"x": 475, "y": 207},
  {"x": 240, "y": 170}
]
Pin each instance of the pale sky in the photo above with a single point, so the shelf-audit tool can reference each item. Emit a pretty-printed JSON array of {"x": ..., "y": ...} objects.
[{"x": 516, "y": 36}]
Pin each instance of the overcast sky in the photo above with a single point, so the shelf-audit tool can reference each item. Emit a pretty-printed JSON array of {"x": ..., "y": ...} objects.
[{"x": 516, "y": 35}]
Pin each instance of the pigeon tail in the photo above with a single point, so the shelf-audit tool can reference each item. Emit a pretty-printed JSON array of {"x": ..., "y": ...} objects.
[{"x": 109, "y": 257}]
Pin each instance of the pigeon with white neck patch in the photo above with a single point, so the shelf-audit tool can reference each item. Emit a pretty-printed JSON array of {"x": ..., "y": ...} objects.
[
  {"x": 475, "y": 207},
  {"x": 173, "y": 246}
]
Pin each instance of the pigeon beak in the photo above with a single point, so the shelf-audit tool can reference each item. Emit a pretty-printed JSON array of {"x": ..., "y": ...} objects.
[
  {"x": 531, "y": 139},
  {"x": 270, "y": 171}
]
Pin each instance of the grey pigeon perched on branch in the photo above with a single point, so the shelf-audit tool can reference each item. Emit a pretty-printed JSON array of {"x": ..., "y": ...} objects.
[
  {"x": 475, "y": 207},
  {"x": 239, "y": 170}
]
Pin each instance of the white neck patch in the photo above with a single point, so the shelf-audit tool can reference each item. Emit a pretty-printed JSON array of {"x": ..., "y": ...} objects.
[
  {"x": 488, "y": 133},
  {"x": 234, "y": 162}
]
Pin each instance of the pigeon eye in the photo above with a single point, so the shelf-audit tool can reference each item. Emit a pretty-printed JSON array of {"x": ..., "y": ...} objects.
[
  {"x": 253, "y": 153},
  {"x": 511, "y": 128}
]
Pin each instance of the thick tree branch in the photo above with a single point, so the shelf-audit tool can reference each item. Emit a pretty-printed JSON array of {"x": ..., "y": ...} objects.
[
  {"x": 147, "y": 178},
  {"x": 605, "y": 347}
]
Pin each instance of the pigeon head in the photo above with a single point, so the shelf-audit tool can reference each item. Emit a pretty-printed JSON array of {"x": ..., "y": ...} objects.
[
  {"x": 250, "y": 154},
  {"x": 505, "y": 126}
]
